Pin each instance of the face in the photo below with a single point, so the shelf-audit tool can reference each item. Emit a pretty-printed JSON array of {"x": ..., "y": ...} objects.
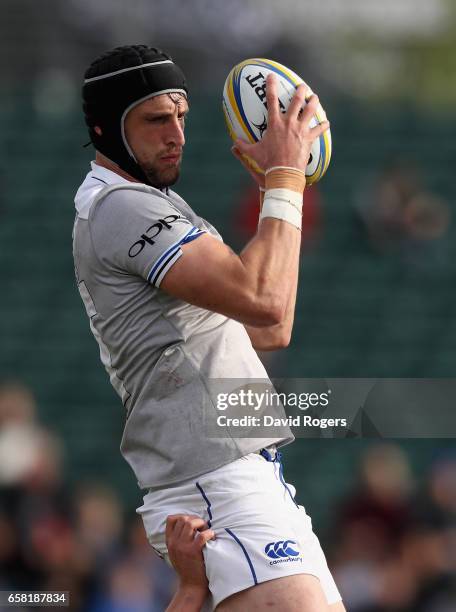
[{"x": 154, "y": 130}]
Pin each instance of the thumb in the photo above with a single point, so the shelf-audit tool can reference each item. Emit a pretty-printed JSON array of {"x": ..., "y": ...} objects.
[
  {"x": 242, "y": 146},
  {"x": 235, "y": 151},
  {"x": 204, "y": 536}
]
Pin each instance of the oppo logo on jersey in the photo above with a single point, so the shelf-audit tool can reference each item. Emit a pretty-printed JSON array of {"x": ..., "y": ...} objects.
[{"x": 151, "y": 233}]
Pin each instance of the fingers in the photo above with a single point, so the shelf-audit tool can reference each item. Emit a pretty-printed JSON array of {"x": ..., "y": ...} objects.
[
  {"x": 257, "y": 176},
  {"x": 308, "y": 112},
  {"x": 309, "y": 109},
  {"x": 171, "y": 521},
  {"x": 305, "y": 111},
  {"x": 319, "y": 129},
  {"x": 241, "y": 147},
  {"x": 272, "y": 99},
  {"x": 203, "y": 538},
  {"x": 191, "y": 525},
  {"x": 236, "y": 151},
  {"x": 297, "y": 102},
  {"x": 175, "y": 523},
  {"x": 183, "y": 525}
]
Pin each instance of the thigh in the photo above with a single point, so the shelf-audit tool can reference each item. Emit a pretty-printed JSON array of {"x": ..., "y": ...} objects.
[
  {"x": 262, "y": 536},
  {"x": 299, "y": 593},
  {"x": 261, "y": 555}
]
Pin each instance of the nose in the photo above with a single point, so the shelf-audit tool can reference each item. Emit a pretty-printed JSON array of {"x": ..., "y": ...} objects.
[{"x": 175, "y": 133}]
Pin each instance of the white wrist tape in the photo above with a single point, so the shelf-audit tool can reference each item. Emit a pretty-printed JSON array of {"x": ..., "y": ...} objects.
[{"x": 283, "y": 204}]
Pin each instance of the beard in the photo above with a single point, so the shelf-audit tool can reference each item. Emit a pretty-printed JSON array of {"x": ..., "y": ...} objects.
[{"x": 160, "y": 177}]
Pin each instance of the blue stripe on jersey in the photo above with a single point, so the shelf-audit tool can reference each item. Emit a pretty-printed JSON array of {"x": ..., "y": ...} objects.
[
  {"x": 246, "y": 554},
  {"x": 193, "y": 236},
  {"x": 167, "y": 255},
  {"x": 209, "y": 512},
  {"x": 99, "y": 179},
  {"x": 174, "y": 256}
]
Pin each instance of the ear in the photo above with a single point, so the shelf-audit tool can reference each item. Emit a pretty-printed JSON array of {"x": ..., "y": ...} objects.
[{"x": 97, "y": 130}]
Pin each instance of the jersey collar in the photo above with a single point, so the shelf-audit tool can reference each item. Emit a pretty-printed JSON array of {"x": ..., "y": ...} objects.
[{"x": 93, "y": 183}]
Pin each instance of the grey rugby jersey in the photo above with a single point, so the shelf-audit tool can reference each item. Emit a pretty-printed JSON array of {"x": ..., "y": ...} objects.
[{"x": 159, "y": 351}]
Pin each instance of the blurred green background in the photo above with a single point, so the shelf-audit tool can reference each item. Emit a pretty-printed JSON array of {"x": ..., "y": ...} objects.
[{"x": 377, "y": 289}]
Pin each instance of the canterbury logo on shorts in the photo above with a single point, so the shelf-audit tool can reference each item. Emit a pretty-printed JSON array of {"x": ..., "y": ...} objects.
[{"x": 281, "y": 550}]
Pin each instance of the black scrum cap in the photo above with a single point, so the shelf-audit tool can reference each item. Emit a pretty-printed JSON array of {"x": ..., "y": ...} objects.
[{"x": 116, "y": 82}]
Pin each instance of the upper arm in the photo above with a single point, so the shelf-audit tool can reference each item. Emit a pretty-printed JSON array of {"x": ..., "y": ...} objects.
[
  {"x": 145, "y": 235},
  {"x": 210, "y": 275},
  {"x": 141, "y": 234}
]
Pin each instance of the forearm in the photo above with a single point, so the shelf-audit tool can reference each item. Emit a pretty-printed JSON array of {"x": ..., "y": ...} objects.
[
  {"x": 274, "y": 252},
  {"x": 271, "y": 261},
  {"x": 188, "y": 599},
  {"x": 277, "y": 336},
  {"x": 265, "y": 287}
]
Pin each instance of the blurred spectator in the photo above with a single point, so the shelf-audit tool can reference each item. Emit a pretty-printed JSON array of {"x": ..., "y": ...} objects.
[
  {"x": 392, "y": 555},
  {"x": 57, "y": 541},
  {"x": 98, "y": 522},
  {"x": 382, "y": 500},
  {"x": 138, "y": 581},
  {"x": 435, "y": 515},
  {"x": 17, "y": 404},
  {"x": 393, "y": 545},
  {"x": 371, "y": 519},
  {"x": 32, "y": 499},
  {"x": 399, "y": 215},
  {"x": 439, "y": 505}
]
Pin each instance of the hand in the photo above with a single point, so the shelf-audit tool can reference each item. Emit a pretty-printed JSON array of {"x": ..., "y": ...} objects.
[
  {"x": 288, "y": 138},
  {"x": 186, "y": 537},
  {"x": 257, "y": 177}
]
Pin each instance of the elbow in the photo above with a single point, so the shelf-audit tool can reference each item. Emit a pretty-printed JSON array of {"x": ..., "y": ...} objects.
[
  {"x": 272, "y": 340},
  {"x": 284, "y": 339},
  {"x": 271, "y": 312},
  {"x": 280, "y": 340},
  {"x": 259, "y": 310}
]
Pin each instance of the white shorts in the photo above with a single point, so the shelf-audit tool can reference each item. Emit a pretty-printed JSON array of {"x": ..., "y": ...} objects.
[{"x": 261, "y": 533}]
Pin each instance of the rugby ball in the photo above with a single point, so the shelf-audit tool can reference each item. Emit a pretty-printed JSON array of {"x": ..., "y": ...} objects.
[{"x": 246, "y": 113}]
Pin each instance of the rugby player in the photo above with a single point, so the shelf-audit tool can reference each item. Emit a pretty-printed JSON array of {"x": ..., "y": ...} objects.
[{"x": 172, "y": 307}]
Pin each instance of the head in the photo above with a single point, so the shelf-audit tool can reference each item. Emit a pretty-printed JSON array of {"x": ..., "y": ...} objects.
[
  {"x": 154, "y": 131},
  {"x": 135, "y": 102}
]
